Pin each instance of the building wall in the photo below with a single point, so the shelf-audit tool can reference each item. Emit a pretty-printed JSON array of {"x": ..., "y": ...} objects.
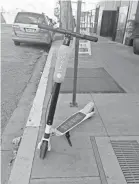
[
  {"x": 137, "y": 13},
  {"x": 101, "y": 8},
  {"x": 122, "y": 20},
  {"x": 109, "y": 5},
  {"x": 105, "y": 5},
  {"x": 133, "y": 9},
  {"x": 124, "y": 3},
  {"x": 130, "y": 15}
]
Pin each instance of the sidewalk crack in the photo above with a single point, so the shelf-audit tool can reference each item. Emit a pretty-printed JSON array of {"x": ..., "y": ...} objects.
[{"x": 100, "y": 117}]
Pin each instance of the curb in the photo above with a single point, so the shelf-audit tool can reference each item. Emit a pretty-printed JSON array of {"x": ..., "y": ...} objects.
[
  {"x": 26, "y": 98},
  {"x": 16, "y": 123},
  {"x": 23, "y": 163}
]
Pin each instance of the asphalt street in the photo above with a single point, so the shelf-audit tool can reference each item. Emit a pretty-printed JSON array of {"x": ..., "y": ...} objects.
[{"x": 17, "y": 65}]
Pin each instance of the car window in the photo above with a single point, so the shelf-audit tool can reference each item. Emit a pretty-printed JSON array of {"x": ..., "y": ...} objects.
[{"x": 29, "y": 18}]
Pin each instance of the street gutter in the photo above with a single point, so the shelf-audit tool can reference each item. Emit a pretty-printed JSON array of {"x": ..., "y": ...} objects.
[{"x": 23, "y": 163}]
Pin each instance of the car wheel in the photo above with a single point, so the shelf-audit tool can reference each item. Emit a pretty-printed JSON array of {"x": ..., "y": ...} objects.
[
  {"x": 16, "y": 43},
  {"x": 136, "y": 46}
]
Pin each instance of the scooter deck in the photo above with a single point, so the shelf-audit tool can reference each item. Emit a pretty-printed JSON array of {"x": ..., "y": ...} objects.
[
  {"x": 75, "y": 119},
  {"x": 71, "y": 122}
]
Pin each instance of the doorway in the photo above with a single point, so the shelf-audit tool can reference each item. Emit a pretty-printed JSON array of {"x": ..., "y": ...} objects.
[{"x": 108, "y": 23}]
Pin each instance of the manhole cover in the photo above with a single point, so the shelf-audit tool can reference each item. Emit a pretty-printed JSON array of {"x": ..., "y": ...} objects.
[
  {"x": 94, "y": 80},
  {"x": 127, "y": 153}
]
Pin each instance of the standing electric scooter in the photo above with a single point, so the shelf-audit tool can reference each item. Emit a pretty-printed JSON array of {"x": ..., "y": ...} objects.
[{"x": 59, "y": 75}]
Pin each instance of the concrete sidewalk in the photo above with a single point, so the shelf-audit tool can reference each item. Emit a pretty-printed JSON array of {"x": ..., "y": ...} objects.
[
  {"x": 92, "y": 159},
  {"x": 119, "y": 61}
]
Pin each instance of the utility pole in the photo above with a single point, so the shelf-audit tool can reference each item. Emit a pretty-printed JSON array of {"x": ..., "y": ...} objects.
[
  {"x": 66, "y": 14},
  {"x": 74, "y": 103}
]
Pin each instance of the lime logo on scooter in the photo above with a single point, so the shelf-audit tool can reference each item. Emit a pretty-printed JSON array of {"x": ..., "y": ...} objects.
[
  {"x": 59, "y": 72},
  {"x": 61, "y": 64}
]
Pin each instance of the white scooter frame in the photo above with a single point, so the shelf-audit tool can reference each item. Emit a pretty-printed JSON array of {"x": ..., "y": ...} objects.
[{"x": 59, "y": 75}]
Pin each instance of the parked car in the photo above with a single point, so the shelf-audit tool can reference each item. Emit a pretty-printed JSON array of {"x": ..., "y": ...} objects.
[{"x": 25, "y": 29}]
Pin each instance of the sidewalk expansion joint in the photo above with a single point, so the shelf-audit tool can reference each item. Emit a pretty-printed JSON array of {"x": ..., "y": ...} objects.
[
  {"x": 73, "y": 177},
  {"x": 98, "y": 161},
  {"x": 100, "y": 117}
]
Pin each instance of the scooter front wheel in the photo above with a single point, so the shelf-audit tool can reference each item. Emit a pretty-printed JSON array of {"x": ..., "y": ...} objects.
[{"x": 43, "y": 149}]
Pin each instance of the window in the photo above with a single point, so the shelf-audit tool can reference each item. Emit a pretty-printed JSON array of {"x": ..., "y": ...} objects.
[{"x": 29, "y": 18}]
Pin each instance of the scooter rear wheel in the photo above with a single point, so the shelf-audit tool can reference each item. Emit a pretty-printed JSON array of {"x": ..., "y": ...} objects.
[{"x": 43, "y": 149}]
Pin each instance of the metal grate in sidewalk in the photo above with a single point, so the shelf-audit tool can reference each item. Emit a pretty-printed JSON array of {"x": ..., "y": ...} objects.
[{"x": 127, "y": 153}]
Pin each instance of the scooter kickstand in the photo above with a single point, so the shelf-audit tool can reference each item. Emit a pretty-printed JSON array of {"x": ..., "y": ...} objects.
[{"x": 68, "y": 138}]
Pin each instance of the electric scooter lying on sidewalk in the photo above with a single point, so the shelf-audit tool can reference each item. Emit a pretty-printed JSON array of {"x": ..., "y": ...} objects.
[{"x": 59, "y": 75}]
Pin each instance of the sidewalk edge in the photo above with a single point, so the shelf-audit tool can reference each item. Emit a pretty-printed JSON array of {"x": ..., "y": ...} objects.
[{"x": 23, "y": 163}]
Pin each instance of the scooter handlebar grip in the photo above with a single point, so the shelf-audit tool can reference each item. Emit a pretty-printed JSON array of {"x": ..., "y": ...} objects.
[
  {"x": 91, "y": 38},
  {"x": 42, "y": 26}
]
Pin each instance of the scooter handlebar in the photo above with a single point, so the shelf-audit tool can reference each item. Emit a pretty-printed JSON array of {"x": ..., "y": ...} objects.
[{"x": 74, "y": 34}]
